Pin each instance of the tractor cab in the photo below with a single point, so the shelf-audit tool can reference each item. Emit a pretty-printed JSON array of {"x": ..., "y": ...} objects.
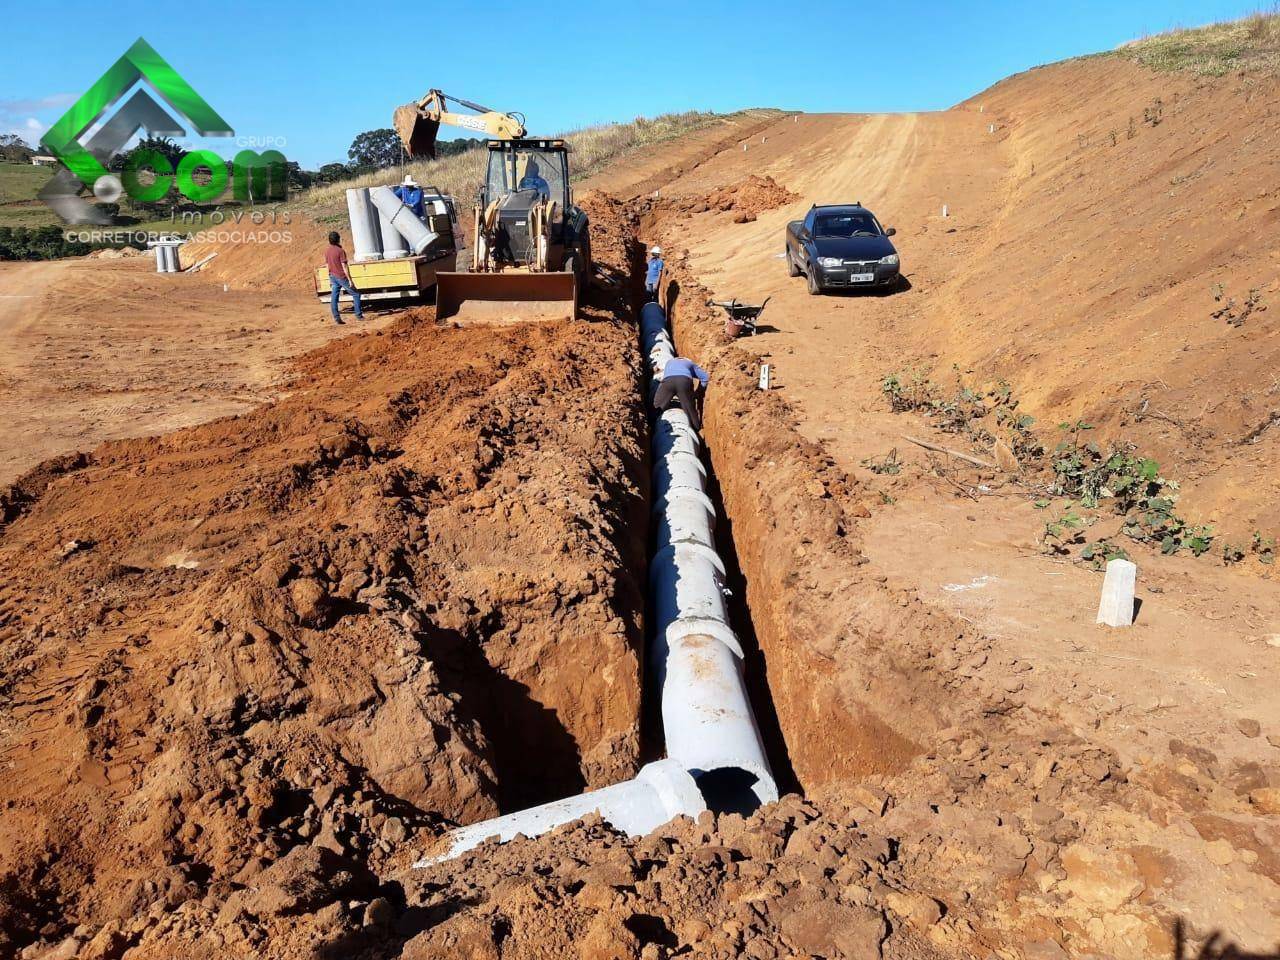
[{"x": 540, "y": 167}]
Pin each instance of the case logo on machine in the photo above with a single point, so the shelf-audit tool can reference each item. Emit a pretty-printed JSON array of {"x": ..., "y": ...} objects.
[{"x": 200, "y": 175}]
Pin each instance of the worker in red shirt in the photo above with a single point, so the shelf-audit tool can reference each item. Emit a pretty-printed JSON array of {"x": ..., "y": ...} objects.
[{"x": 335, "y": 259}]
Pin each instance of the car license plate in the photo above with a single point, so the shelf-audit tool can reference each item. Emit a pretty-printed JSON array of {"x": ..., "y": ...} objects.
[{"x": 861, "y": 277}]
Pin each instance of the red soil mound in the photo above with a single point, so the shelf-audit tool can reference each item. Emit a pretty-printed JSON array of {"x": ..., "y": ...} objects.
[{"x": 406, "y": 592}]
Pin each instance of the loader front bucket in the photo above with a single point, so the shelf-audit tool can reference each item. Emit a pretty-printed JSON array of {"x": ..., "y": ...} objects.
[
  {"x": 499, "y": 298},
  {"x": 416, "y": 132}
]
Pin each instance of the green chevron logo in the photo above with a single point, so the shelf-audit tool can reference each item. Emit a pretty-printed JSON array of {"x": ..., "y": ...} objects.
[
  {"x": 140, "y": 62},
  {"x": 256, "y": 176}
]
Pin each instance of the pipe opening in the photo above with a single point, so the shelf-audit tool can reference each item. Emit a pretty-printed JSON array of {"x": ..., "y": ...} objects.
[{"x": 729, "y": 790}]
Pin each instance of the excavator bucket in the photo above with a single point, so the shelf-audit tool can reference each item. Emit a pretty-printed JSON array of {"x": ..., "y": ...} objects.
[
  {"x": 502, "y": 298},
  {"x": 416, "y": 132}
]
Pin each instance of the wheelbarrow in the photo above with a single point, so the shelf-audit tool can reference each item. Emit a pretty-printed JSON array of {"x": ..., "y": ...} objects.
[{"x": 740, "y": 318}]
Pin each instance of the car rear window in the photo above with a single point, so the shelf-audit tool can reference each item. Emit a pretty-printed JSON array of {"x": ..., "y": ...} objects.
[{"x": 846, "y": 225}]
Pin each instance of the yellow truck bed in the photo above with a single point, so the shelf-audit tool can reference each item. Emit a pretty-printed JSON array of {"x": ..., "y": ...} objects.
[{"x": 402, "y": 278}]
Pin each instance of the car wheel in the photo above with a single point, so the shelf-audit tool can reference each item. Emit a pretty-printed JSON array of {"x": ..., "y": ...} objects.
[
  {"x": 792, "y": 269},
  {"x": 815, "y": 288}
]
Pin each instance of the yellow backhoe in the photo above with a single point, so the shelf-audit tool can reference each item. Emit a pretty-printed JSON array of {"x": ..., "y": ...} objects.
[{"x": 531, "y": 245}]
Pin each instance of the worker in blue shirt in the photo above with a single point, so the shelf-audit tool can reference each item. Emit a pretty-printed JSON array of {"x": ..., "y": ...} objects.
[
  {"x": 410, "y": 195},
  {"x": 653, "y": 273},
  {"x": 680, "y": 381},
  {"x": 533, "y": 180}
]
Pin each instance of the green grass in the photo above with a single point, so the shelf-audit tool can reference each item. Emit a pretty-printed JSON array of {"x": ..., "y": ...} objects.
[
  {"x": 460, "y": 175},
  {"x": 1251, "y": 45},
  {"x": 21, "y": 181},
  {"x": 19, "y": 184}
]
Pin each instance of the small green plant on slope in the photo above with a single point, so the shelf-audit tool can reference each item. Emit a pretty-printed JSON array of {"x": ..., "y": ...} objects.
[
  {"x": 965, "y": 411},
  {"x": 1099, "y": 553},
  {"x": 888, "y": 465},
  {"x": 1132, "y": 485},
  {"x": 1066, "y": 531},
  {"x": 1260, "y": 547},
  {"x": 1116, "y": 480}
]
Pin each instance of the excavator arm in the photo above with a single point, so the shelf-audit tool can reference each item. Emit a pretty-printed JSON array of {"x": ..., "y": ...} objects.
[{"x": 418, "y": 123}]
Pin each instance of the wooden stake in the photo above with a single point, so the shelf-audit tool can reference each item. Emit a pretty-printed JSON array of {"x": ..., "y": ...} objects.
[{"x": 951, "y": 453}]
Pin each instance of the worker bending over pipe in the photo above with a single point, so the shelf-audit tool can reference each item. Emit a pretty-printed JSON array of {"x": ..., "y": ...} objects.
[{"x": 681, "y": 379}]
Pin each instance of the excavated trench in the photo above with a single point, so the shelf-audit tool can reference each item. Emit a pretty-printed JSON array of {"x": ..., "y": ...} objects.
[
  {"x": 788, "y": 533},
  {"x": 723, "y": 790}
]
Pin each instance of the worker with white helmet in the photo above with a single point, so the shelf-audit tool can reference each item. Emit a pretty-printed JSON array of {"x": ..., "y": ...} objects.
[
  {"x": 410, "y": 195},
  {"x": 653, "y": 273}
]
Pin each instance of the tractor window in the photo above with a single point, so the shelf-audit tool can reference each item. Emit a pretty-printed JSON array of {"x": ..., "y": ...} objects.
[
  {"x": 497, "y": 183},
  {"x": 540, "y": 170},
  {"x": 544, "y": 171}
]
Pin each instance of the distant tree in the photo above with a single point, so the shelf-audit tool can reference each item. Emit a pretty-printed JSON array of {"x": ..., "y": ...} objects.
[
  {"x": 333, "y": 171},
  {"x": 376, "y": 148},
  {"x": 14, "y": 149},
  {"x": 449, "y": 148},
  {"x": 162, "y": 145},
  {"x": 298, "y": 179}
]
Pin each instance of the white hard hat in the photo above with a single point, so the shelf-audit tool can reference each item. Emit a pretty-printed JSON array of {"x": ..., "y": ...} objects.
[{"x": 655, "y": 249}]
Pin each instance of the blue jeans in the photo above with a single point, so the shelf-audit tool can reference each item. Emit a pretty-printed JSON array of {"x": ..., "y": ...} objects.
[{"x": 336, "y": 284}]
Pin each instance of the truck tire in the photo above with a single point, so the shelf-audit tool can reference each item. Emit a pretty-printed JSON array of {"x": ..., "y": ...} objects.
[
  {"x": 811, "y": 279},
  {"x": 792, "y": 269}
]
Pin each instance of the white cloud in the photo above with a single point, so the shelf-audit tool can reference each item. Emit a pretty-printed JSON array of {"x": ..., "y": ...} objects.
[
  {"x": 12, "y": 107},
  {"x": 30, "y": 118}
]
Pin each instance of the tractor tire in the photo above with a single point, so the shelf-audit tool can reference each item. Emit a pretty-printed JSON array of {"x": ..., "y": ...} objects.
[
  {"x": 792, "y": 269},
  {"x": 573, "y": 264},
  {"x": 811, "y": 280}
]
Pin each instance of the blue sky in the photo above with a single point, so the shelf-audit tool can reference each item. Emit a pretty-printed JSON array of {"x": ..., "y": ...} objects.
[{"x": 318, "y": 73}]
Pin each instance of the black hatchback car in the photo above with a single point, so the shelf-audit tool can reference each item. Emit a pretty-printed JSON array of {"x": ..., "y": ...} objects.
[{"x": 842, "y": 246}]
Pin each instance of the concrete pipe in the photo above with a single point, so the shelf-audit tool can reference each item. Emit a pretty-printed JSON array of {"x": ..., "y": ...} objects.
[
  {"x": 660, "y": 792},
  {"x": 672, "y": 431},
  {"x": 365, "y": 237},
  {"x": 678, "y": 469},
  {"x": 653, "y": 320},
  {"x": 393, "y": 244},
  {"x": 403, "y": 219},
  {"x": 686, "y": 520},
  {"x": 710, "y": 728},
  {"x": 686, "y": 580},
  {"x": 661, "y": 354},
  {"x": 175, "y": 258},
  {"x": 681, "y": 493},
  {"x": 162, "y": 261}
]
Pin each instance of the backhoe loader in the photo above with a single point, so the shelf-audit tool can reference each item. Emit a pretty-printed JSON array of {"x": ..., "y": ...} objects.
[{"x": 531, "y": 245}]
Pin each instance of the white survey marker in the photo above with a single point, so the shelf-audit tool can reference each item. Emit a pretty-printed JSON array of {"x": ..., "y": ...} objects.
[{"x": 1116, "y": 606}]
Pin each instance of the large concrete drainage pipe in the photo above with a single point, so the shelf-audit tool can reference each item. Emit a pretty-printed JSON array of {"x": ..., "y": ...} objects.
[
  {"x": 715, "y": 755},
  {"x": 660, "y": 792},
  {"x": 365, "y": 240},
  {"x": 402, "y": 219}
]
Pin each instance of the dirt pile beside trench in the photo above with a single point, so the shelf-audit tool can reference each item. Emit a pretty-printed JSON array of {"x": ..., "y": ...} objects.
[
  {"x": 746, "y": 199},
  {"x": 263, "y": 653}
]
